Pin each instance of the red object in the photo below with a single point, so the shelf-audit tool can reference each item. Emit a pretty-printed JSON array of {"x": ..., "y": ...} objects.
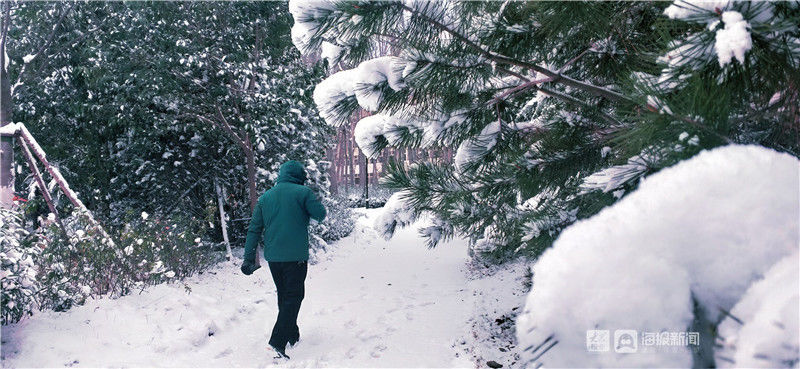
[{"x": 17, "y": 198}]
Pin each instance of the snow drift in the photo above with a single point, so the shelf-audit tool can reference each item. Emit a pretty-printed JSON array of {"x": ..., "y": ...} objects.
[{"x": 703, "y": 230}]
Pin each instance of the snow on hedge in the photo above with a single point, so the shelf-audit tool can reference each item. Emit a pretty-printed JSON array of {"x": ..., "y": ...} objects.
[
  {"x": 706, "y": 228},
  {"x": 766, "y": 333}
]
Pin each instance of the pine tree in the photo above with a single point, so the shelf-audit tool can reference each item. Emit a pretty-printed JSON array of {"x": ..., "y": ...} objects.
[{"x": 557, "y": 108}]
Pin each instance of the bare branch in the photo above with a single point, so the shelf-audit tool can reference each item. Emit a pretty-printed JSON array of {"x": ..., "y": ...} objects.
[
  {"x": 518, "y": 88},
  {"x": 4, "y": 31}
]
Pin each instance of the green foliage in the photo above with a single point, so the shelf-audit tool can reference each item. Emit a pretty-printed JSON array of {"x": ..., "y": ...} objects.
[
  {"x": 45, "y": 269},
  {"x": 122, "y": 100},
  {"x": 18, "y": 273},
  {"x": 566, "y": 105}
]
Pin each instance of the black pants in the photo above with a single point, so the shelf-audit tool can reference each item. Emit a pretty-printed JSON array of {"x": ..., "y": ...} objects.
[{"x": 289, "y": 277}]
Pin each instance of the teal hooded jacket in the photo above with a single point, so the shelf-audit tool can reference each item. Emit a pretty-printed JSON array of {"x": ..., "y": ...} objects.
[{"x": 281, "y": 217}]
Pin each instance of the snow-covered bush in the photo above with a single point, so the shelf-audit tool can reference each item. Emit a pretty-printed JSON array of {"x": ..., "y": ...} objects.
[
  {"x": 338, "y": 222},
  {"x": 700, "y": 232},
  {"x": 159, "y": 250},
  {"x": 46, "y": 270},
  {"x": 67, "y": 266},
  {"x": 378, "y": 196},
  {"x": 18, "y": 273},
  {"x": 762, "y": 329}
]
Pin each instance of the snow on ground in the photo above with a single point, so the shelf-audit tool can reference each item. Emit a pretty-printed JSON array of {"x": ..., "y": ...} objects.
[{"x": 369, "y": 303}]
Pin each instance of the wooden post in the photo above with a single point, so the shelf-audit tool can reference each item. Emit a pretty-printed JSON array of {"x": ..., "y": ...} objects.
[
  {"x": 46, "y": 194},
  {"x": 62, "y": 183},
  {"x": 222, "y": 221}
]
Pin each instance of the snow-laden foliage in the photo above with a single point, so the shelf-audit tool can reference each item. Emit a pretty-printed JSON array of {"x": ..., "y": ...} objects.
[
  {"x": 395, "y": 213},
  {"x": 46, "y": 269},
  {"x": 567, "y": 103},
  {"x": 339, "y": 221},
  {"x": 762, "y": 330},
  {"x": 18, "y": 274},
  {"x": 125, "y": 99},
  {"x": 700, "y": 232}
]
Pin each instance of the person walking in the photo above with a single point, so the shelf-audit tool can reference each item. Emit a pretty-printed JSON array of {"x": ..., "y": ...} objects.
[{"x": 281, "y": 216}]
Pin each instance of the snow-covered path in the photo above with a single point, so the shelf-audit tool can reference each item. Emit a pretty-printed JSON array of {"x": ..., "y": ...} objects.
[{"x": 369, "y": 303}]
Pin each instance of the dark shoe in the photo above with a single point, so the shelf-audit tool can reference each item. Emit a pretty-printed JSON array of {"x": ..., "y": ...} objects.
[{"x": 279, "y": 353}]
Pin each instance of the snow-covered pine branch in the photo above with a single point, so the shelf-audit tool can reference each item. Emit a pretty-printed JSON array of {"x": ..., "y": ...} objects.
[{"x": 703, "y": 230}]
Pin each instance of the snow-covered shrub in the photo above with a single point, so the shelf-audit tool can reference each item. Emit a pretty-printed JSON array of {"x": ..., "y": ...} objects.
[
  {"x": 378, "y": 195},
  {"x": 700, "y": 232},
  {"x": 762, "y": 329},
  {"x": 338, "y": 222},
  {"x": 67, "y": 266},
  {"x": 145, "y": 252},
  {"x": 18, "y": 273}
]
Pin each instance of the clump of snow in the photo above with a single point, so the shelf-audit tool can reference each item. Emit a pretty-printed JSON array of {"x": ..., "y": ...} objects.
[
  {"x": 704, "y": 229},
  {"x": 733, "y": 40},
  {"x": 766, "y": 333},
  {"x": 331, "y": 52},
  {"x": 368, "y": 130},
  {"x": 476, "y": 147},
  {"x": 330, "y": 92},
  {"x": 397, "y": 212},
  {"x": 612, "y": 178},
  {"x": 306, "y": 14},
  {"x": 687, "y": 9},
  {"x": 391, "y": 127},
  {"x": 362, "y": 82}
]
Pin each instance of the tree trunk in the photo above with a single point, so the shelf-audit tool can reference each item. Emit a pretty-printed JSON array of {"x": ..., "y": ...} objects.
[
  {"x": 6, "y": 142},
  {"x": 251, "y": 183},
  {"x": 223, "y": 223},
  {"x": 351, "y": 170},
  {"x": 362, "y": 171},
  {"x": 251, "y": 179}
]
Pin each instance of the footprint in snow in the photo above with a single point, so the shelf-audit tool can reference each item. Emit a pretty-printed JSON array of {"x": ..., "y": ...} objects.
[
  {"x": 224, "y": 353},
  {"x": 377, "y": 350},
  {"x": 364, "y": 335}
]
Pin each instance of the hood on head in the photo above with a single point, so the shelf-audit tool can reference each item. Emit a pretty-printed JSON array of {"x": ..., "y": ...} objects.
[{"x": 292, "y": 171}]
